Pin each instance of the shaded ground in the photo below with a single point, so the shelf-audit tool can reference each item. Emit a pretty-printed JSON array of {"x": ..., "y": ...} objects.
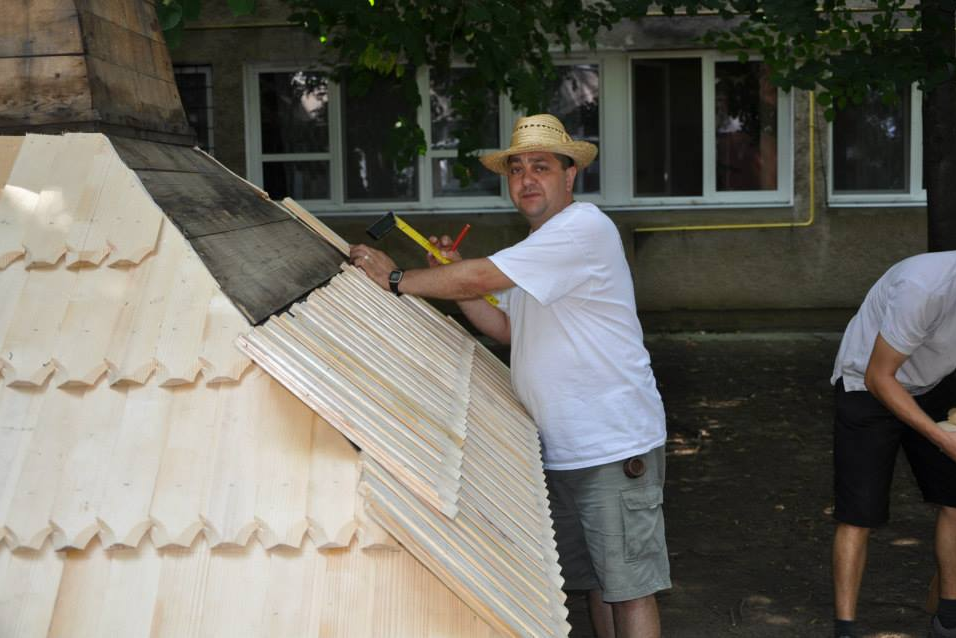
[{"x": 748, "y": 496}]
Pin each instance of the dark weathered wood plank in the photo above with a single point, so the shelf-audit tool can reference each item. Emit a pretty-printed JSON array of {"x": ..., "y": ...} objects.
[
  {"x": 41, "y": 90},
  {"x": 120, "y": 45},
  {"x": 142, "y": 155},
  {"x": 266, "y": 268},
  {"x": 202, "y": 204},
  {"x": 139, "y": 15},
  {"x": 127, "y": 97},
  {"x": 38, "y": 27}
]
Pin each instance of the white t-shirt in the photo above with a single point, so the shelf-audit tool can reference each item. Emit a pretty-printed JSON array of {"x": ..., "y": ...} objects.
[
  {"x": 913, "y": 306},
  {"x": 578, "y": 361}
]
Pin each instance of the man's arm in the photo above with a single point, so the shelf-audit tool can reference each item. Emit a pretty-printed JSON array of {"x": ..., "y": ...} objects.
[
  {"x": 880, "y": 380},
  {"x": 462, "y": 281}
]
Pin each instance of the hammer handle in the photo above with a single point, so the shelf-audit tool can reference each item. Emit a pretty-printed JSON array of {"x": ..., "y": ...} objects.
[{"x": 427, "y": 245}]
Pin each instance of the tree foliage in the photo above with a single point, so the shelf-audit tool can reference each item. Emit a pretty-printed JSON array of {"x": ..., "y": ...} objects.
[{"x": 842, "y": 49}]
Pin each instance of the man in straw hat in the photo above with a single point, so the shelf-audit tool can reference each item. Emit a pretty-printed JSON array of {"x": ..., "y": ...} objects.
[
  {"x": 894, "y": 380},
  {"x": 578, "y": 365}
]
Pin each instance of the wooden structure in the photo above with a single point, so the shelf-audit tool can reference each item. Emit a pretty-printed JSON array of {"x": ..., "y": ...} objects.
[
  {"x": 154, "y": 480},
  {"x": 87, "y": 65}
]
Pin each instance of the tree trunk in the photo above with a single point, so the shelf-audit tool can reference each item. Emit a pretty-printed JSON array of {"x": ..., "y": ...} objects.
[{"x": 939, "y": 131}]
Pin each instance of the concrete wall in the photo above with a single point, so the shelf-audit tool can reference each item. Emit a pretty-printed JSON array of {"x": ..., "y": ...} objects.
[{"x": 770, "y": 276}]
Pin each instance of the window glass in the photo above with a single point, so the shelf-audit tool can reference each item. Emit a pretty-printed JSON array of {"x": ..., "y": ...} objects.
[
  {"x": 668, "y": 138},
  {"x": 575, "y": 101},
  {"x": 871, "y": 146},
  {"x": 370, "y": 174},
  {"x": 294, "y": 112},
  {"x": 745, "y": 104},
  {"x": 444, "y": 125},
  {"x": 195, "y": 91},
  {"x": 298, "y": 180},
  {"x": 446, "y": 184},
  {"x": 444, "y": 119}
]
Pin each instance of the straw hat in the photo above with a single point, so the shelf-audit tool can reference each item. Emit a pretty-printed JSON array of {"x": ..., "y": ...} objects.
[{"x": 540, "y": 133}]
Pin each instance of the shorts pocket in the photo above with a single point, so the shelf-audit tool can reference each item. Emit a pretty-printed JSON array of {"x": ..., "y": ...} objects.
[{"x": 641, "y": 509}]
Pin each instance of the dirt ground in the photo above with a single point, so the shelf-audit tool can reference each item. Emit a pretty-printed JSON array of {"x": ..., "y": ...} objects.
[{"x": 748, "y": 497}]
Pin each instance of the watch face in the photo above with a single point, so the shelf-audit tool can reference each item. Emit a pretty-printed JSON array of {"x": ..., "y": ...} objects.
[{"x": 395, "y": 276}]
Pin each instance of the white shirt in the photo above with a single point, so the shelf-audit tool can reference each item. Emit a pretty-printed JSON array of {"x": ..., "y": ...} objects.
[
  {"x": 578, "y": 361},
  {"x": 913, "y": 306}
]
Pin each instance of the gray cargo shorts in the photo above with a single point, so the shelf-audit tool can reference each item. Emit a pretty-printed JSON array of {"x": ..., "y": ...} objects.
[{"x": 609, "y": 528}]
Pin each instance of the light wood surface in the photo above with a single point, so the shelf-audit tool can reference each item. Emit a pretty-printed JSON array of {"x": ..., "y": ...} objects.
[
  {"x": 21, "y": 194},
  {"x": 434, "y": 415},
  {"x": 29, "y": 583}
]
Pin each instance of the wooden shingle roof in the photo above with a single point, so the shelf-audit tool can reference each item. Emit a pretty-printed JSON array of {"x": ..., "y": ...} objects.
[{"x": 154, "y": 479}]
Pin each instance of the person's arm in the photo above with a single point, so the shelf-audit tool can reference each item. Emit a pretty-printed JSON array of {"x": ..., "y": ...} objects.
[
  {"x": 880, "y": 380},
  {"x": 462, "y": 281}
]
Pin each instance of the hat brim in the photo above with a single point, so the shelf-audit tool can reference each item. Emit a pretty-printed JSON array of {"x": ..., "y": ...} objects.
[{"x": 583, "y": 153}]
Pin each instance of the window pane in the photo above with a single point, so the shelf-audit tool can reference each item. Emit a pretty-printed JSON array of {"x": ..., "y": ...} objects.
[
  {"x": 668, "y": 138},
  {"x": 445, "y": 184},
  {"x": 574, "y": 101},
  {"x": 370, "y": 174},
  {"x": 745, "y": 105},
  {"x": 294, "y": 112},
  {"x": 298, "y": 180},
  {"x": 871, "y": 146},
  {"x": 444, "y": 119},
  {"x": 194, "y": 91}
]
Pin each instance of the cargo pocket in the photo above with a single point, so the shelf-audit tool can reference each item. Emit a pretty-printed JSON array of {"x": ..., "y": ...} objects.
[{"x": 641, "y": 507}]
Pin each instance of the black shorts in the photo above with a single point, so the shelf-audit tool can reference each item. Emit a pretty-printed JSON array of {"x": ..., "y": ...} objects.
[{"x": 866, "y": 438}]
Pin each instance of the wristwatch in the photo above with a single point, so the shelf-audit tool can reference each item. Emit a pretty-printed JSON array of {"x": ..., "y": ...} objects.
[{"x": 394, "y": 278}]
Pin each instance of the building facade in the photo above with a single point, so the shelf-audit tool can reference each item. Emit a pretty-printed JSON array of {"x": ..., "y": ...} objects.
[{"x": 738, "y": 204}]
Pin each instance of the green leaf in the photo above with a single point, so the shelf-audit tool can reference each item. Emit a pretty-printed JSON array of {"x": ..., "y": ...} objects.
[
  {"x": 191, "y": 9},
  {"x": 170, "y": 14},
  {"x": 241, "y": 7},
  {"x": 174, "y": 36}
]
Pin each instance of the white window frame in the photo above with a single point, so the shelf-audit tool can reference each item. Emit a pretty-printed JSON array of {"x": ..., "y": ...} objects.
[
  {"x": 253, "y": 133},
  {"x": 615, "y": 95},
  {"x": 711, "y": 197},
  {"x": 916, "y": 195},
  {"x": 206, "y": 70},
  {"x": 336, "y": 203}
]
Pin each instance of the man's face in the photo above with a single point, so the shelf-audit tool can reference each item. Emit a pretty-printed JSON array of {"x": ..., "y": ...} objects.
[{"x": 540, "y": 187}]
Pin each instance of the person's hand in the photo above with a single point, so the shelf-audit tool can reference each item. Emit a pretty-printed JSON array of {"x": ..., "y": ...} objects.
[
  {"x": 947, "y": 443},
  {"x": 376, "y": 264},
  {"x": 444, "y": 245}
]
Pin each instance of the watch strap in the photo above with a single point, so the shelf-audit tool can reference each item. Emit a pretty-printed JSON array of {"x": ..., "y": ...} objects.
[{"x": 394, "y": 278}]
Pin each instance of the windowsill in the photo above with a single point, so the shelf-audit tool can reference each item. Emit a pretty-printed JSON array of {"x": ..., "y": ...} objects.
[
  {"x": 878, "y": 204},
  {"x": 461, "y": 209}
]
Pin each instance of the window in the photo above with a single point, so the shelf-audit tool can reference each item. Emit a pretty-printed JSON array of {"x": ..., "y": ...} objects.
[
  {"x": 576, "y": 102},
  {"x": 688, "y": 130},
  {"x": 443, "y": 143},
  {"x": 875, "y": 152},
  {"x": 294, "y": 120},
  {"x": 708, "y": 131},
  {"x": 195, "y": 91}
]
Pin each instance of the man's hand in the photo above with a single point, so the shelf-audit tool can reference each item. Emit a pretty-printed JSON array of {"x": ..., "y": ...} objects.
[
  {"x": 948, "y": 444},
  {"x": 444, "y": 246},
  {"x": 880, "y": 380},
  {"x": 376, "y": 264}
]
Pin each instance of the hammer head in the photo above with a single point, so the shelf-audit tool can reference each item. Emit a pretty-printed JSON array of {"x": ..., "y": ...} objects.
[{"x": 381, "y": 227}]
